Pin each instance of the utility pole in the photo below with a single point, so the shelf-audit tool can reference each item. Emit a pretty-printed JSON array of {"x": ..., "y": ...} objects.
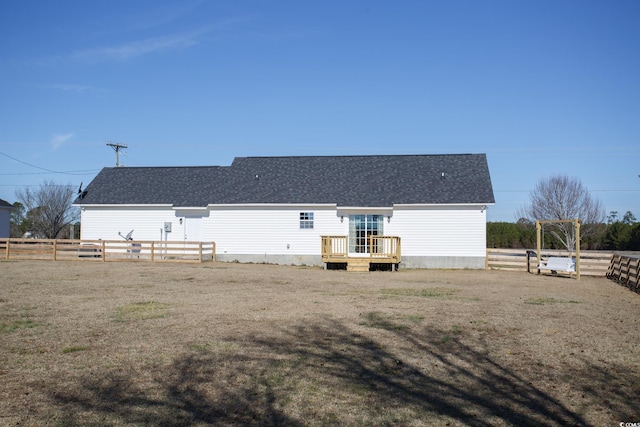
[{"x": 117, "y": 148}]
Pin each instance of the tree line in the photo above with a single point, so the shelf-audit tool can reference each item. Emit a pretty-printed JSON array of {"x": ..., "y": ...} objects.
[{"x": 618, "y": 234}]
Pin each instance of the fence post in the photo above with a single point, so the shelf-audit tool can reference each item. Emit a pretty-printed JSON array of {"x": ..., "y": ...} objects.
[
  {"x": 104, "y": 251},
  {"x": 200, "y": 251},
  {"x": 153, "y": 251},
  {"x": 577, "y": 234},
  {"x": 55, "y": 250},
  {"x": 627, "y": 266},
  {"x": 617, "y": 267},
  {"x": 7, "y": 254},
  {"x": 539, "y": 244}
]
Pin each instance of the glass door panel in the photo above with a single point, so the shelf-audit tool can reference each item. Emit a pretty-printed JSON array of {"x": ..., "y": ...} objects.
[{"x": 361, "y": 228}]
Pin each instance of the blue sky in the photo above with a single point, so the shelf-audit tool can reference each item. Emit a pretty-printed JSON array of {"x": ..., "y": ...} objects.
[{"x": 541, "y": 87}]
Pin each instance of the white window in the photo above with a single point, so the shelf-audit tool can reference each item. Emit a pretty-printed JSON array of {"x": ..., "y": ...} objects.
[{"x": 306, "y": 219}]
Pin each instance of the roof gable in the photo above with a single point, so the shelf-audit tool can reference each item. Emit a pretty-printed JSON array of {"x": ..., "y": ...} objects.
[{"x": 367, "y": 181}]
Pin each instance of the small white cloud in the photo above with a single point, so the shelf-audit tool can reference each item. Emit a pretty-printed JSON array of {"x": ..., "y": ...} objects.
[
  {"x": 71, "y": 87},
  {"x": 139, "y": 48},
  {"x": 159, "y": 16},
  {"x": 59, "y": 139},
  {"x": 151, "y": 45}
]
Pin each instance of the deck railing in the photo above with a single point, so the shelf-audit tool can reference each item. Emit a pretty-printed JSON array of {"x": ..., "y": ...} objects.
[
  {"x": 106, "y": 250},
  {"x": 379, "y": 249},
  {"x": 334, "y": 247}
]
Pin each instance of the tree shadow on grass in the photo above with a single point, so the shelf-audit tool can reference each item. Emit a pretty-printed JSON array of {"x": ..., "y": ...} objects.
[
  {"x": 454, "y": 381},
  {"x": 195, "y": 390},
  {"x": 323, "y": 373},
  {"x": 610, "y": 388}
]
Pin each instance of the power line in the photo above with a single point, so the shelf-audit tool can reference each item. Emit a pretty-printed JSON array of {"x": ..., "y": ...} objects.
[
  {"x": 37, "y": 185},
  {"x": 28, "y": 164},
  {"x": 76, "y": 172}
]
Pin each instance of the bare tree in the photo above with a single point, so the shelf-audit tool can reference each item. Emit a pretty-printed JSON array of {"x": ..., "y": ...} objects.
[
  {"x": 49, "y": 208},
  {"x": 563, "y": 198}
]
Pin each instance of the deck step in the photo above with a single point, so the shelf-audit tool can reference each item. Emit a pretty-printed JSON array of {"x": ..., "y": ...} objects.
[{"x": 358, "y": 264}]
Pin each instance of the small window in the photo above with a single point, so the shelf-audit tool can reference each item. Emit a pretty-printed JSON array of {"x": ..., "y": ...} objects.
[{"x": 306, "y": 219}]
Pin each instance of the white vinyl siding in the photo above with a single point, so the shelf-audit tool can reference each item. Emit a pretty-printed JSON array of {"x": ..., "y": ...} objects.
[
  {"x": 271, "y": 230},
  {"x": 456, "y": 232},
  {"x": 147, "y": 223}
]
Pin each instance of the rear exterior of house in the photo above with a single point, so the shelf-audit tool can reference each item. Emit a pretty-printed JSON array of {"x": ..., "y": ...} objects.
[{"x": 277, "y": 209}]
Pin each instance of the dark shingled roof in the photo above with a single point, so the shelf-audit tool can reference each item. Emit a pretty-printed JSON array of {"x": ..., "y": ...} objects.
[
  {"x": 5, "y": 204},
  {"x": 365, "y": 181}
]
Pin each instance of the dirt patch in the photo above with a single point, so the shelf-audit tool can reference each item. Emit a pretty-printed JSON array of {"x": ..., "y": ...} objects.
[{"x": 233, "y": 344}]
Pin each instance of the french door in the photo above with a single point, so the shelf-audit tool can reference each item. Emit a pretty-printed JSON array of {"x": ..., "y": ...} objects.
[{"x": 361, "y": 228}]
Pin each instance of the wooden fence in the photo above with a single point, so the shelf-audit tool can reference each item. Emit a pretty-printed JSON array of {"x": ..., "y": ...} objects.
[
  {"x": 106, "y": 250},
  {"x": 625, "y": 270},
  {"x": 592, "y": 263}
]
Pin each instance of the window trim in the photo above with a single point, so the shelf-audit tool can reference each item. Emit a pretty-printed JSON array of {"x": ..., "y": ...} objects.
[{"x": 306, "y": 221}]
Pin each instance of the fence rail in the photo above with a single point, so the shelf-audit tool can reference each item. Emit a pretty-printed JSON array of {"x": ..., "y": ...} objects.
[
  {"x": 592, "y": 263},
  {"x": 626, "y": 271},
  {"x": 106, "y": 250}
]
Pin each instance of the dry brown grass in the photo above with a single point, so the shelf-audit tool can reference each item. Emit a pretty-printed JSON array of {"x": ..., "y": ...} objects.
[{"x": 231, "y": 344}]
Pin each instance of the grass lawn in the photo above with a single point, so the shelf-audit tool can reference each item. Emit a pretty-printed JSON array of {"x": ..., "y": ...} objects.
[{"x": 123, "y": 344}]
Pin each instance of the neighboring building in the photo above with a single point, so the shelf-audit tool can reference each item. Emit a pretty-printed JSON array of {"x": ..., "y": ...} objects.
[
  {"x": 5, "y": 219},
  {"x": 275, "y": 209}
]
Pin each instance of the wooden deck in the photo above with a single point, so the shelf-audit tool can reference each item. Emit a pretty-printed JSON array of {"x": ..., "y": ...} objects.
[{"x": 382, "y": 250}]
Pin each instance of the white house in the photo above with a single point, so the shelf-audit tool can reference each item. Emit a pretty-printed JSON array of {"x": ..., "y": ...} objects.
[
  {"x": 276, "y": 209},
  {"x": 5, "y": 219}
]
